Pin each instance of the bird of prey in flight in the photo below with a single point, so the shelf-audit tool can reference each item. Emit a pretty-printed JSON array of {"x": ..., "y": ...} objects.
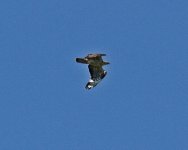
[{"x": 95, "y": 64}]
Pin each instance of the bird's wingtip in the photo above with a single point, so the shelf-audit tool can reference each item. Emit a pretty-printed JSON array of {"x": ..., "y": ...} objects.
[{"x": 81, "y": 60}]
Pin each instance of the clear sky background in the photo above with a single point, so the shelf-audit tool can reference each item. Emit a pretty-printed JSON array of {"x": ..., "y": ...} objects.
[{"x": 142, "y": 103}]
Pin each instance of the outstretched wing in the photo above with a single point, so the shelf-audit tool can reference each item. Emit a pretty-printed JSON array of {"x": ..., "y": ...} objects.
[
  {"x": 97, "y": 74},
  {"x": 81, "y": 60},
  {"x": 95, "y": 71},
  {"x": 96, "y": 57}
]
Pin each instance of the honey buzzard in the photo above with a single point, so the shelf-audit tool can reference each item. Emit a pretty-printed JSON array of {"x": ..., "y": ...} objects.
[{"x": 95, "y": 64}]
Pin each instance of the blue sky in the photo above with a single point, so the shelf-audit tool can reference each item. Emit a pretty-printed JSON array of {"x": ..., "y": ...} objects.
[{"x": 142, "y": 104}]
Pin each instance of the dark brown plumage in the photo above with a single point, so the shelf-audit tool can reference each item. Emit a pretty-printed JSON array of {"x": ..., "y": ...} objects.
[{"x": 95, "y": 64}]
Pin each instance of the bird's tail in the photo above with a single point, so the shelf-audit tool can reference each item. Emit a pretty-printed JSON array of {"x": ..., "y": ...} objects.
[
  {"x": 91, "y": 83},
  {"x": 81, "y": 60}
]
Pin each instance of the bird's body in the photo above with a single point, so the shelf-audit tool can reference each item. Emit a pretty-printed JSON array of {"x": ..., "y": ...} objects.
[{"x": 95, "y": 63}]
